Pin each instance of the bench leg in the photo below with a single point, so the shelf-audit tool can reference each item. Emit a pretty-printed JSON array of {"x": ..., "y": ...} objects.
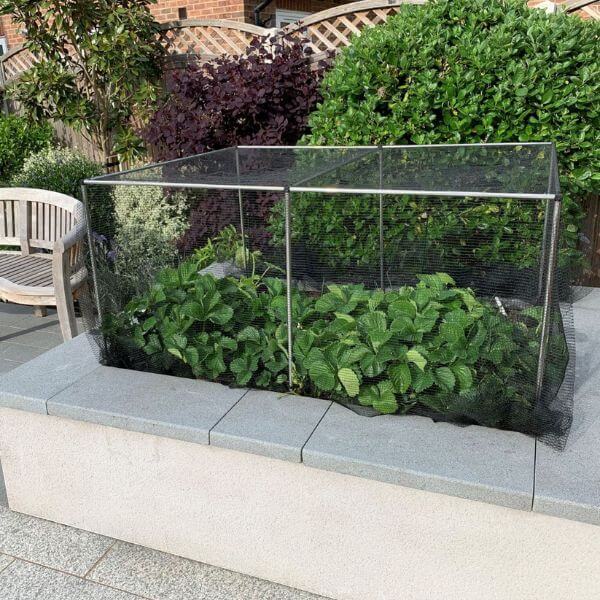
[
  {"x": 40, "y": 311},
  {"x": 66, "y": 310}
]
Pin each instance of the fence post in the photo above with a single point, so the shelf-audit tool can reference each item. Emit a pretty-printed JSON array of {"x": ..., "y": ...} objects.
[
  {"x": 288, "y": 276},
  {"x": 5, "y": 110},
  {"x": 549, "y": 286}
]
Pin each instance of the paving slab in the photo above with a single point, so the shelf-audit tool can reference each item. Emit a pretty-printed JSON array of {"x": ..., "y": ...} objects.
[
  {"x": 270, "y": 424},
  {"x": 5, "y": 561},
  {"x": 35, "y": 338},
  {"x": 18, "y": 352},
  {"x": 567, "y": 482},
  {"x": 7, "y": 365},
  {"x": 29, "y": 386},
  {"x": 476, "y": 463},
  {"x": 175, "y": 407},
  {"x": 57, "y": 546},
  {"x": 26, "y": 581},
  {"x": 154, "y": 574},
  {"x": 11, "y": 314}
]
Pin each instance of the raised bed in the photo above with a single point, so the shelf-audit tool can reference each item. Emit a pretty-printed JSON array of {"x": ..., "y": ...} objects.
[{"x": 305, "y": 492}]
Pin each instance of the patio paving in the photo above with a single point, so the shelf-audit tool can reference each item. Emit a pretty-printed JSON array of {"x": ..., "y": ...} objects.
[{"x": 42, "y": 560}]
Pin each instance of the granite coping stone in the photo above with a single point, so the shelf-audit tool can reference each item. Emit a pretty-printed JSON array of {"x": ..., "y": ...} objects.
[
  {"x": 270, "y": 424},
  {"x": 471, "y": 462},
  {"x": 174, "y": 407},
  {"x": 567, "y": 482},
  {"x": 29, "y": 386},
  {"x": 477, "y": 463}
]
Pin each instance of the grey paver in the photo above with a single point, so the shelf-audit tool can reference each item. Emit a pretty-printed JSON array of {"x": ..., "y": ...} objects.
[
  {"x": 568, "y": 482},
  {"x": 5, "y": 561},
  {"x": 175, "y": 407},
  {"x": 27, "y": 581},
  {"x": 57, "y": 546},
  {"x": 163, "y": 576},
  {"x": 472, "y": 462},
  {"x": 35, "y": 338},
  {"x": 7, "y": 365},
  {"x": 14, "y": 313},
  {"x": 29, "y": 386},
  {"x": 19, "y": 353},
  {"x": 271, "y": 424}
]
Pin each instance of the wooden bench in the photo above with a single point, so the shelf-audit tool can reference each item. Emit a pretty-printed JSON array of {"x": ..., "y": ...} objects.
[{"x": 48, "y": 269}]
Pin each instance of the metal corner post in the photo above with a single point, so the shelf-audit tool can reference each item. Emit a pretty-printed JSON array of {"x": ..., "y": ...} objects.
[
  {"x": 547, "y": 221},
  {"x": 288, "y": 277},
  {"x": 84, "y": 199},
  {"x": 381, "y": 241},
  {"x": 552, "y": 256},
  {"x": 241, "y": 205}
]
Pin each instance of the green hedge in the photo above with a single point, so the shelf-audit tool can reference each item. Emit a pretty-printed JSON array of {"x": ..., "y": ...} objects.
[
  {"x": 468, "y": 71},
  {"x": 57, "y": 169},
  {"x": 19, "y": 138}
]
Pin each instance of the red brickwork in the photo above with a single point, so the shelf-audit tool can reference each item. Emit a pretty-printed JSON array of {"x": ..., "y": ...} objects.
[{"x": 239, "y": 10}]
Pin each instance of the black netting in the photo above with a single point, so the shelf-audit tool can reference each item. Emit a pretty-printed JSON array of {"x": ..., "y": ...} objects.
[{"x": 426, "y": 280}]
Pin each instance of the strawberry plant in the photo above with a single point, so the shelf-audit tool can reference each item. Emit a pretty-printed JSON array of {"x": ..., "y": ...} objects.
[{"x": 431, "y": 347}]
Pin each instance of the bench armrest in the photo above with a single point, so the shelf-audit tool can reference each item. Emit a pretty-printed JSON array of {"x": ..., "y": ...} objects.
[{"x": 76, "y": 235}]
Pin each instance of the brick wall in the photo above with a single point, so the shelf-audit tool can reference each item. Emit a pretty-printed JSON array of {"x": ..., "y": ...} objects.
[
  {"x": 240, "y": 10},
  {"x": 9, "y": 30}
]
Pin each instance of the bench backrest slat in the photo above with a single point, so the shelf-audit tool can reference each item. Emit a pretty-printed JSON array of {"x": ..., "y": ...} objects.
[{"x": 32, "y": 218}]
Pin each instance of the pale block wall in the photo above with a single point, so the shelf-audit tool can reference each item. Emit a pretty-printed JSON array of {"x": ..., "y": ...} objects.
[{"x": 337, "y": 535}]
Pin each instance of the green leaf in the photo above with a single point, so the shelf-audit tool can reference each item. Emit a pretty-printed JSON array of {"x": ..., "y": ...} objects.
[
  {"x": 422, "y": 380},
  {"x": 451, "y": 332},
  {"x": 386, "y": 400},
  {"x": 416, "y": 358},
  {"x": 400, "y": 377},
  {"x": 221, "y": 314},
  {"x": 249, "y": 334},
  {"x": 373, "y": 321},
  {"x": 380, "y": 396},
  {"x": 322, "y": 375},
  {"x": 402, "y": 308},
  {"x": 445, "y": 378},
  {"x": 368, "y": 395},
  {"x": 350, "y": 381},
  {"x": 464, "y": 376}
]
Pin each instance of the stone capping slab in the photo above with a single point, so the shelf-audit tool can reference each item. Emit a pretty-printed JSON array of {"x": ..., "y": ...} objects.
[
  {"x": 270, "y": 424},
  {"x": 175, "y": 407},
  {"x": 567, "y": 482},
  {"x": 469, "y": 462},
  {"x": 29, "y": 386},
  {"x": 472, "y": 462}
]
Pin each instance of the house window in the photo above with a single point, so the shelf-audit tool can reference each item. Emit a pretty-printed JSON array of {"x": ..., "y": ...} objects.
[
  {"x": 285, "y": 17},
  {"x": 3, "y": 45}
]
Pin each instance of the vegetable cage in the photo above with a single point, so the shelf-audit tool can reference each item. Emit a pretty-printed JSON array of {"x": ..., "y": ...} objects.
[{"x": 400, "y": 279}]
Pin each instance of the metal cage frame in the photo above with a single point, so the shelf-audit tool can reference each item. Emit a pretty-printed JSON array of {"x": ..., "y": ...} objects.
[{"x": 549, "y": 243}]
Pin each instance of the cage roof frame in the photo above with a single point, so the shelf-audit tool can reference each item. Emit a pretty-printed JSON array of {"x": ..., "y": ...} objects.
[{"x": 309, "y": 182}]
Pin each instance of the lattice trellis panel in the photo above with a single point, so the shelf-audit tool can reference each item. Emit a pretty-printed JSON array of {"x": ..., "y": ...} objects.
[
  {"x": 330, "y": 30},
  {"x": 206, "y": 39},
  {"x": 16, "y": 62}
]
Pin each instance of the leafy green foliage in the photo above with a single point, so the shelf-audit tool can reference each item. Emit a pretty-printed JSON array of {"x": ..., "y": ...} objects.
[
  {"x": 432, "y": 345},
  {"x": 19, "y": 138},
  {"x": 97, "y": 64},
  {"x": 59, "y": 170},
  {"x": 466, "y": 71}
]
